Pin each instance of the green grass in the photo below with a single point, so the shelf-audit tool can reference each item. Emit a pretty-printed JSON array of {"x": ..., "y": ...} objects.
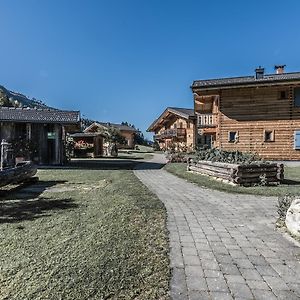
[
  {"x": 83, "y": 234},
  {"x": 290, "y": 186}
]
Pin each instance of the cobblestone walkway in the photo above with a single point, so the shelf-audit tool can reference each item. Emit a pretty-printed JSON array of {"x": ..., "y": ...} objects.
[{"x": 223, "y": 246}]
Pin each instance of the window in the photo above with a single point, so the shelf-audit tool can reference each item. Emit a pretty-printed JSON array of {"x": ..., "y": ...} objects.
[
  {"x": 269, "y": 136},
  {"x": 175, "y": 126},
  {"x": 297, "y": 97},
  {"x": 188, "y": 125},
  {"x": 282, "y": 95},
  {"x": 297, "y": 140},
  {"x": 180, "y": 125},
  {"x": 232, "y": 136}
]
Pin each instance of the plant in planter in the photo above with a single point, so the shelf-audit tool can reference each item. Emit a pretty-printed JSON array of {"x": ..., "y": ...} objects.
[
  {"x": 82, "y": 148},
  {"x": 24, "y": 149},
  {"x": 233, "y": 157}
]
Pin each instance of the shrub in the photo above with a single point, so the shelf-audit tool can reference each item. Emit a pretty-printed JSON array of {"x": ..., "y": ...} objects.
[
  {"x": 156, "y": 146},
  {"x": 284, "y": 203},
  {"x": 234, "y": 157},
  {"x": 177, "y": 157}
]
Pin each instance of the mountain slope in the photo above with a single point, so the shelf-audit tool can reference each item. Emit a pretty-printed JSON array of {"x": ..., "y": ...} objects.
[{"x": 14, "y": 99}]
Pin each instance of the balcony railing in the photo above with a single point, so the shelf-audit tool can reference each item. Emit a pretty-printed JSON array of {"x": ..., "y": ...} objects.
[
  {"x": 171, "y": 133},
  {"x": 206, "y": 120}
]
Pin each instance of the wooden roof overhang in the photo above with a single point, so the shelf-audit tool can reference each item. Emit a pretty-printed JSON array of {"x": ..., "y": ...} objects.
[
  {"x": 217, "y": 87},
  {"x": 123, "y": 128},
  {"x": 203, "y": 99},
  {"x": 44, "y": 116},
  {"x": 166, "y": 117},
  {"x": 86, "y": 134}
]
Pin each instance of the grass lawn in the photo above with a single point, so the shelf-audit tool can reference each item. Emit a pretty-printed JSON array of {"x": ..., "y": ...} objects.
[
  {"x": 83, "y": 234},
  {"x": 290, "y": 186}
]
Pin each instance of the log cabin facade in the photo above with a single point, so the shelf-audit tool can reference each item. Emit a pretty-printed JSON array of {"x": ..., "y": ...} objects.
[
  {"x": 259, "y": 114},
  {"x": 38, "y": 134},
  {"x": 175, "y": 128}
]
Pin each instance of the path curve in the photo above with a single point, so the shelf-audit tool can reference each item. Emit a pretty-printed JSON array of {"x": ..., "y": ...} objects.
[{"x": 223, "y": 246}]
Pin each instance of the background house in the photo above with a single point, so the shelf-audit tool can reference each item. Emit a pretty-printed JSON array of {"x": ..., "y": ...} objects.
[
  {"x": 175, "y": 127},
  {"x": 127, "y": 132},
  {"x": 259, "y": 113},
  {"x": 38, "y": 134}
]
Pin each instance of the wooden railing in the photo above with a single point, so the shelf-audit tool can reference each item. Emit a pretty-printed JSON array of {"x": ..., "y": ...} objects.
[
  {"x": 206, "y": 120},
  {"x": 170, "y": 133}
]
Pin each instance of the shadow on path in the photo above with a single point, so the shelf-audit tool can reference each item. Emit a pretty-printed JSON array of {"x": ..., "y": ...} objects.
[{"x": 108, "y": 164}]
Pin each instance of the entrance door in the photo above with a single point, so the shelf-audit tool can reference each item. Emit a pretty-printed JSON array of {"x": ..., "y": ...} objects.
[
  {"x": 51, "y": 153},
  {"x": 205, "y": 141},
  {"x": 207, "y": 138}
]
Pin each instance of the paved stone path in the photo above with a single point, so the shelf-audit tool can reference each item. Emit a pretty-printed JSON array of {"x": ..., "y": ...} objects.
[{"x": 223, "y": 246}]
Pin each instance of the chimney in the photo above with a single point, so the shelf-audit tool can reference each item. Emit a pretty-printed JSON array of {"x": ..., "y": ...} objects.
[
  {"x": 279, "y": 69},
  {"x": 259, "y": 73}
]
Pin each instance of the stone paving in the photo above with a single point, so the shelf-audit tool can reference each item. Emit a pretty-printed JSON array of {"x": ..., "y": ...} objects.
[{"x": 223, "y": 246}]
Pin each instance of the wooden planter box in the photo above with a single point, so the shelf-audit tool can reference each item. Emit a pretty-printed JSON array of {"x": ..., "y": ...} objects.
[{"x": 246, "y": 175}]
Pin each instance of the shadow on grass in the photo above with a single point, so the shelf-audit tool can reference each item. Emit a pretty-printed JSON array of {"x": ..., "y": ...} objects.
[
  {"x": 12, "y": 211},
  {"x": 108, "y": 164},
  {"x": 27, "y": 190},
  {"x": 291, "y": 182},
  {"x": 22, "y": 202}
]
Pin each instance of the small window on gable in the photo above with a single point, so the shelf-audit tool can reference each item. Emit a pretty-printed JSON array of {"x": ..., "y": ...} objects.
[
  {"x": 188, "y": 125},
  {"x": 297, "y": 97},
  {"x": 269, "y": 136},
  {"x": 282, "y": 95},
  {"x": 175, "y": 126},
  {"x": 232, "y": 136},
  {"x": 297, "y": 140}
]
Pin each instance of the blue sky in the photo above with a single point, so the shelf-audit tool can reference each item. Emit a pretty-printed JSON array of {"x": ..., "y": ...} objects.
[{"x": 127, "y": 60}]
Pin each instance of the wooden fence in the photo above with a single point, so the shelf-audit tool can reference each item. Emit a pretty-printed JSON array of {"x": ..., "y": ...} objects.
[{"x": 246, "y": 175}]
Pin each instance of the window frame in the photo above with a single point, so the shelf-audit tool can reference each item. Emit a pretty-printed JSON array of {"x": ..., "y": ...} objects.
[
  {"x": 296, "y": 132},
  {"x": 296, "y": 105},
  {"x": 281, "y": 97},
  {"x": 236, "y": 137},
  {"x": 272, "y": 131}
]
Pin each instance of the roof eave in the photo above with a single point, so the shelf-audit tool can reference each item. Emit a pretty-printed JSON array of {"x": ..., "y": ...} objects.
[
  {"x": 41, "y": 122},
  {"x": 249, "y": 84},
  {"x": 152, "y": 127}
]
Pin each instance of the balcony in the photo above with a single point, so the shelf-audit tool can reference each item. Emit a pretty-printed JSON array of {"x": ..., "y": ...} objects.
[
  {"x": 206, "y": 120},
  {"x": 171, "y": 133}
]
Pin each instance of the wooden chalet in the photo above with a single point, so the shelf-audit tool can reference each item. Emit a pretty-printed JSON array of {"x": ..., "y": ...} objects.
[
  {"x": 175, "y": 127},
  {"x": 259, "y": 113},
  {"x": 38, "y": 133},
  {"x": 126, "y": 131}
]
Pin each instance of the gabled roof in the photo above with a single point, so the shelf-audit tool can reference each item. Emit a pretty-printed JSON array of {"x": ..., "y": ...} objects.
[
  {"x": 33, "y": 115},
  {"x": 86, "y": 134},
  {"x": 185, "y": 113},
  {"x": 267, "y": 79},
  {"x": 120, "y": 127}
]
